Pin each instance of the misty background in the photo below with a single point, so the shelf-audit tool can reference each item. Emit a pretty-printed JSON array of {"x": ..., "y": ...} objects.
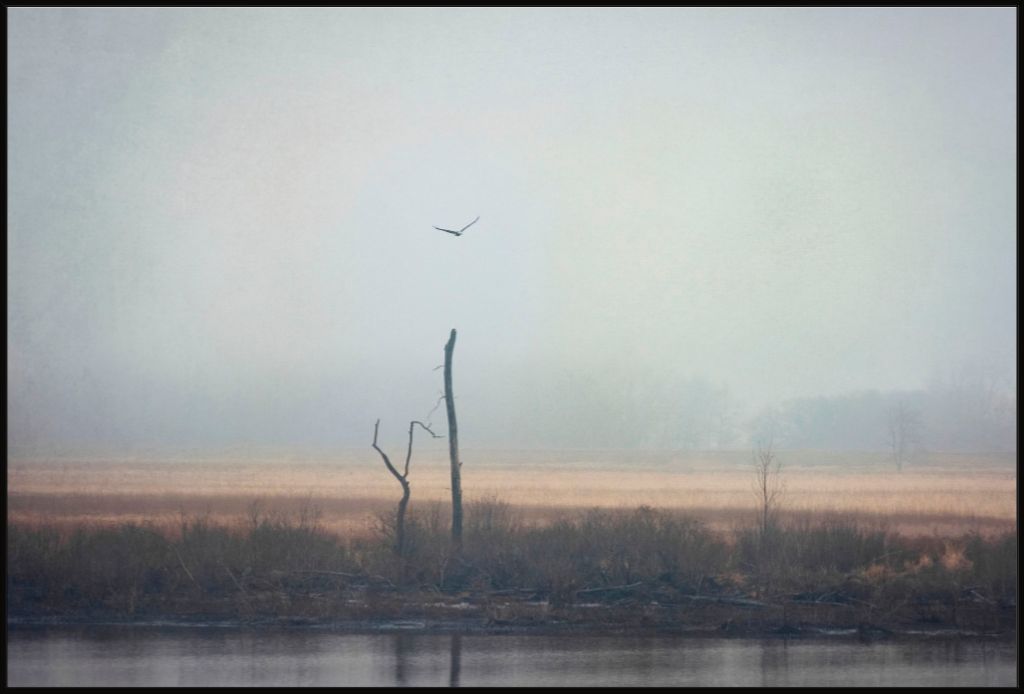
[{"x": 698, "y": 226}]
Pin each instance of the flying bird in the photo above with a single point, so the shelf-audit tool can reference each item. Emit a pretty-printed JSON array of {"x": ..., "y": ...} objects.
[{"x": 459, "y": 232}]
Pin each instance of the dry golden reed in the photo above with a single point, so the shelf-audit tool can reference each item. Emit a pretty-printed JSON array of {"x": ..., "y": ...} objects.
[{"x": 938, "y": 495}]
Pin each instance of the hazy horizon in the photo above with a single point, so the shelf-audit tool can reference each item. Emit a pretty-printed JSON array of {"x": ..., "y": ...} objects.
[{"x": 220, "y": 221}]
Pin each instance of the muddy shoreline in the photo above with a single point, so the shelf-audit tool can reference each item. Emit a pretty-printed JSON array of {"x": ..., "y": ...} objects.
[
  {"x": 473, "y": 627},
  {"x": 541, "y": 618}
]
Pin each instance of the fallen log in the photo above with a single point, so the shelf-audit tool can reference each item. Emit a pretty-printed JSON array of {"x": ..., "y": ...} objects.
[
  {"x": 742, "y": 602},
  {"x": 606, "y": 589}
]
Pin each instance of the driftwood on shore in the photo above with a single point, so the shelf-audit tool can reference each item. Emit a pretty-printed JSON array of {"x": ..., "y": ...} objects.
[
  {"x": 607, "y": 589},
  {"x": 742, "y": 602},
  {"x": 342, "y": 574}
]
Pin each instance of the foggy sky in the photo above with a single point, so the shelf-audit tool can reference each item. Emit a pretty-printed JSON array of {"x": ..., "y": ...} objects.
[{"x": 220, "y": 221}]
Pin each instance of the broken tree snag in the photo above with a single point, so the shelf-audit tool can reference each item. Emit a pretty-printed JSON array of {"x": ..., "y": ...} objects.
[
  {"x": 403, "y": 479},
  {"x": 404, "y": 503},
  {"x": 453, "y": 445}
]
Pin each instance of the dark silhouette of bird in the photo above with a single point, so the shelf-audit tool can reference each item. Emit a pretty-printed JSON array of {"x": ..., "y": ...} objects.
[{"x": 459, "y": 232}]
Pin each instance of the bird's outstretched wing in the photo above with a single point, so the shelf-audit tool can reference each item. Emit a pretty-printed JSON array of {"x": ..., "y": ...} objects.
[{"x": 459, "y": 232}]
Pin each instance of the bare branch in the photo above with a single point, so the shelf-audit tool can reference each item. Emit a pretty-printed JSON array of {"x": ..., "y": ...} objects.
[
  {"x": 425, "y": 428},
  {"x": 408, "y": 453},
  {"x": 402, "y": 479},
  {"x": 436, "y": 405},
  {"x": 235, "y": 580},
  {"x": 182, "y": 562},
  {"x": 387, "y": 461}
]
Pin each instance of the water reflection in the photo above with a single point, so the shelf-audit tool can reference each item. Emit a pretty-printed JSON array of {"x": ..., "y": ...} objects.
[
  {"x": 456, "y": 661},
  {"x": 774, "y": 664},
  {"x": 133, "y": 656},
  {"x": 402, "y": 648}
]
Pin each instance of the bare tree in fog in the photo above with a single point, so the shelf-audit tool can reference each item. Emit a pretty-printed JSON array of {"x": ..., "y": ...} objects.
[
  {"x": 403, "y": 479},
  {"x": 769, "y": 487},
  {"x": 768, "y": 484},
  {"x": 904, "y": 429},
  {"x": 973, "y": 408},
  {"x": 453, "y": 451}
]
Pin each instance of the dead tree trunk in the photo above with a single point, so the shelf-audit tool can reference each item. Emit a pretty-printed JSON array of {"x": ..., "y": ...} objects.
[
  {"x": 769, "y": 486},
  {"x": 904, "y": 427},
  {"x": 453, "y": 445},
  {"x": 403, "y": 479}
]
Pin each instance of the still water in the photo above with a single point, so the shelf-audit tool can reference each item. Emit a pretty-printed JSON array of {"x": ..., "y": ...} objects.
[{"x": 208, "y": 656}]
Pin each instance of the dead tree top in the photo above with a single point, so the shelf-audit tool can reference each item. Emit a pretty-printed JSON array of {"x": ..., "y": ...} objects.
[{"x": 408, "y": 454}]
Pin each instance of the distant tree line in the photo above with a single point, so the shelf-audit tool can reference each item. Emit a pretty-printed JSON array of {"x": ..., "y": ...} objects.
[
  {"x": 574, "y": 408},
  {"x": 951, "y": 416}
]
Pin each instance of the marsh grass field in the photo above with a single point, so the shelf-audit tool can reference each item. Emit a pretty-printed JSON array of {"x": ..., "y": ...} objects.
[
  {"x": 936, "y": 495},
  {"x": 594, "y": 539}
]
